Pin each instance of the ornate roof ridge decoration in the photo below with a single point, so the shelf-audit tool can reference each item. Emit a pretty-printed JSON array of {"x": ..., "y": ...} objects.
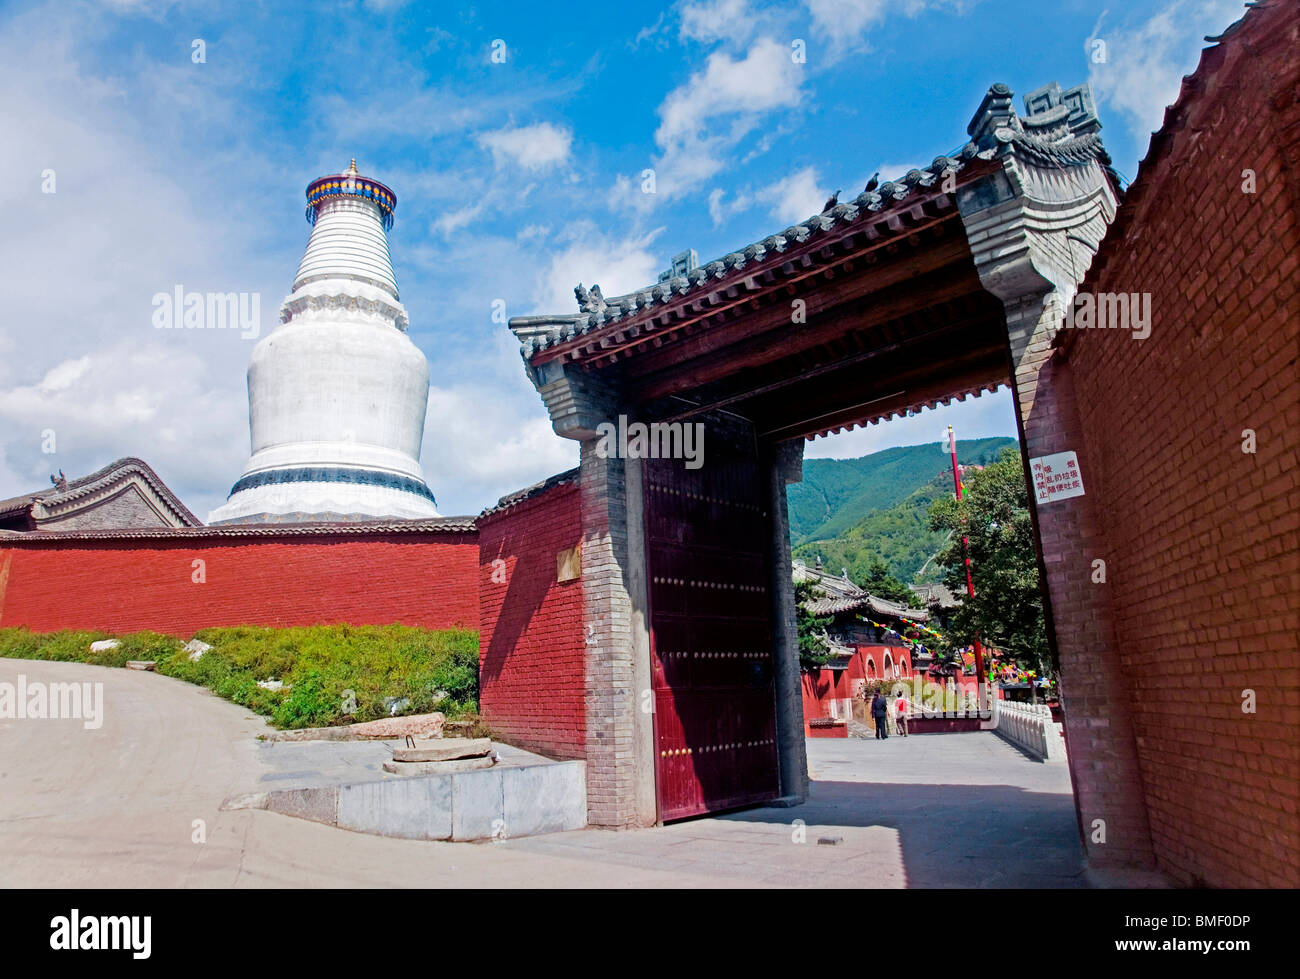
[
  {"x": 98, "y": 480},
  {"x": 1072, "y": 151},
  {"x": 1264, "y": 22},
  {"x": 529, "y": 492},
  {"x": 351, "y": 184},
  {"x": 463, "y": 524},
  {"x": 836, "y": 646},
  {"x": 1059, "y": 128}
]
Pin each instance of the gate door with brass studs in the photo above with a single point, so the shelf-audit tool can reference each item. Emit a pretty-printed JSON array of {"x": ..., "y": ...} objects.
[{"x": 707, "y": 534}]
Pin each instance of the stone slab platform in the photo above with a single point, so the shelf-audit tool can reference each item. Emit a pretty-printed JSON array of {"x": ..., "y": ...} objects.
[
  {"x": 444, "y": 749},
  {"x": 446, "y": 767},
  {"x": 343, "y": 784}
]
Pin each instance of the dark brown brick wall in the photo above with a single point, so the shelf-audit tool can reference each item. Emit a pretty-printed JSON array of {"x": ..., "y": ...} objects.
[{"x": 1200, "y": 539}]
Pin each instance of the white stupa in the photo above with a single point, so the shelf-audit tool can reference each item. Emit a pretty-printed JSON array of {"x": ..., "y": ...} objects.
[{"x": 337, "y": 392}]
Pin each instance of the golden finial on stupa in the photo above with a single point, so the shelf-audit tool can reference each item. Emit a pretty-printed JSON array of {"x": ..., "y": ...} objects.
[{"x": 352, "y": 167}]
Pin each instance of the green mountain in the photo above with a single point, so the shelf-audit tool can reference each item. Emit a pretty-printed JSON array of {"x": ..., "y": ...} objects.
[{"x": 854, "y": 512}]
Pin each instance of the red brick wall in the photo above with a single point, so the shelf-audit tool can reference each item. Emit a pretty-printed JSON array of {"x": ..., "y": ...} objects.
[
  {"x": 127, "y": 585},
  {"x": 532, "y": 676},
  {"x": 1200, "y": 538}
]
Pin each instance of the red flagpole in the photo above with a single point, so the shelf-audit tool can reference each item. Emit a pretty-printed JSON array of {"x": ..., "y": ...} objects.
[{"x": 965, "y": 547}]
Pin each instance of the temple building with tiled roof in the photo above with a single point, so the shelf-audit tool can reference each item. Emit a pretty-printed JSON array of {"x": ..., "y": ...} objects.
[
  {"x": 125, "y": 495},
  {"x": 840, "y": 595}
]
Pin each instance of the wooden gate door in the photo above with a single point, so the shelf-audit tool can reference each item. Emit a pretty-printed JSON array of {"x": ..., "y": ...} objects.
[{"x": 711, "y": 648}]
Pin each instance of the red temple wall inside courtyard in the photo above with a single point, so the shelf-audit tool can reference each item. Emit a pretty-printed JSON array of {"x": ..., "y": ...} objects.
[{"x": 823, "y": 686}]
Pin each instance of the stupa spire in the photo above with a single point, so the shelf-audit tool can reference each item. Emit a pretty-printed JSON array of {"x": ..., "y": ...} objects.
[{"x": 350, "y": 216}]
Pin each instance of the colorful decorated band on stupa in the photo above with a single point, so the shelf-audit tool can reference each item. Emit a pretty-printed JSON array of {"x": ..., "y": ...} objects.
[{"x": 350, "y": 184}]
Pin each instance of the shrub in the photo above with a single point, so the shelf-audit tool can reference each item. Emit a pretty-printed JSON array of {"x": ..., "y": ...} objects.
[{"x": 332, "y": 674}]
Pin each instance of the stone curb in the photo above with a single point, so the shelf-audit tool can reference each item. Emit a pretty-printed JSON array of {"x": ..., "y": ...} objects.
[{"x": 497, "y": 803}]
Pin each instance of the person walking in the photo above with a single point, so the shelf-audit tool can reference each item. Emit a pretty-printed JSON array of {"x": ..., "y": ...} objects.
[
  {"x": 879, "y": 712},
  {"x": 900, "y": 713}
]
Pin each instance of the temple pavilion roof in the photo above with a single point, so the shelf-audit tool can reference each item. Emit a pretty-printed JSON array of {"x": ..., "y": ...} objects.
[{"x": 840, "y": 595}]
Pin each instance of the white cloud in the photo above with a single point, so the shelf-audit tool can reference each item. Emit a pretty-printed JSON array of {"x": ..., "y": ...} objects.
[
  {"x": 795, "y": 197},
  {"x": 651, "y": 32},
  {"x": 716, "y": 211},
  {"x": 1145, "y": 63},
  {"x": 479, "y": 445},
  {"x": 63, "y": 376},
  {"x": 844, "y": 24},
  {"x": 716, "y": 20},
  {"x": 455, "y": 220},
  {"x": 703, "y": 119},
  {"x": 845, "y": 18},
  {"x": 533, "y": 147},
  {"x": 128, "y": 400},
  {"x": 617, "y": 264},
  {"x": 531, "y": 232}
]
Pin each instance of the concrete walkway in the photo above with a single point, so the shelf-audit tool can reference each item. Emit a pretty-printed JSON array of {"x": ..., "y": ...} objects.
[{"x": 122, "y": 806}]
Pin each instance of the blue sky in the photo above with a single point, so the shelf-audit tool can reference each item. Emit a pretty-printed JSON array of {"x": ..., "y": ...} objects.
[{"x": 515, "y": 181}]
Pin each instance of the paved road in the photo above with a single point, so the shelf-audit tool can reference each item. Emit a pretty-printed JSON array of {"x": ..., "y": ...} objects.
[{"x": 116, "y": 807}]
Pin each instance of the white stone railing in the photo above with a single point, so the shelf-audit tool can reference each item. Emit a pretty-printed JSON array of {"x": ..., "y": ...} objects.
[{"x": 1029, "y": 726}]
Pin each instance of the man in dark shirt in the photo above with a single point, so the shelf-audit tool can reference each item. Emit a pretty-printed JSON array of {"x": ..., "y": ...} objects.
[{"x": 879, "y": 711}]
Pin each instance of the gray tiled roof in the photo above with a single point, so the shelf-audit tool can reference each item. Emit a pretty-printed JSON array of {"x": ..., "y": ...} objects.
[
  {"x": 842, "y": 595},
  {"x": 938, "y": 594},
  {"x": 528, "y": 492},
  {"x": 85, "y": 485}
]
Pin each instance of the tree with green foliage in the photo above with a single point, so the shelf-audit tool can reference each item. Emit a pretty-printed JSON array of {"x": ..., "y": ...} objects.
[
  {"x": 1007, "y": 610},
  {"x": 879, "y": 581},
  {"x": 813, "y": 650}
]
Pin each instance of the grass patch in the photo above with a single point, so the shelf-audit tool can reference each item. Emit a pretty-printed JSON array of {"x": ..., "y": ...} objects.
[{"x": 332, "y": 674}]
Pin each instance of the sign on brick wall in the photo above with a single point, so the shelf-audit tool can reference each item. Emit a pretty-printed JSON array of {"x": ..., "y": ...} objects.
[
  {"x": 1056, "y": 477},
  {"x": 568, "y": 564}
]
